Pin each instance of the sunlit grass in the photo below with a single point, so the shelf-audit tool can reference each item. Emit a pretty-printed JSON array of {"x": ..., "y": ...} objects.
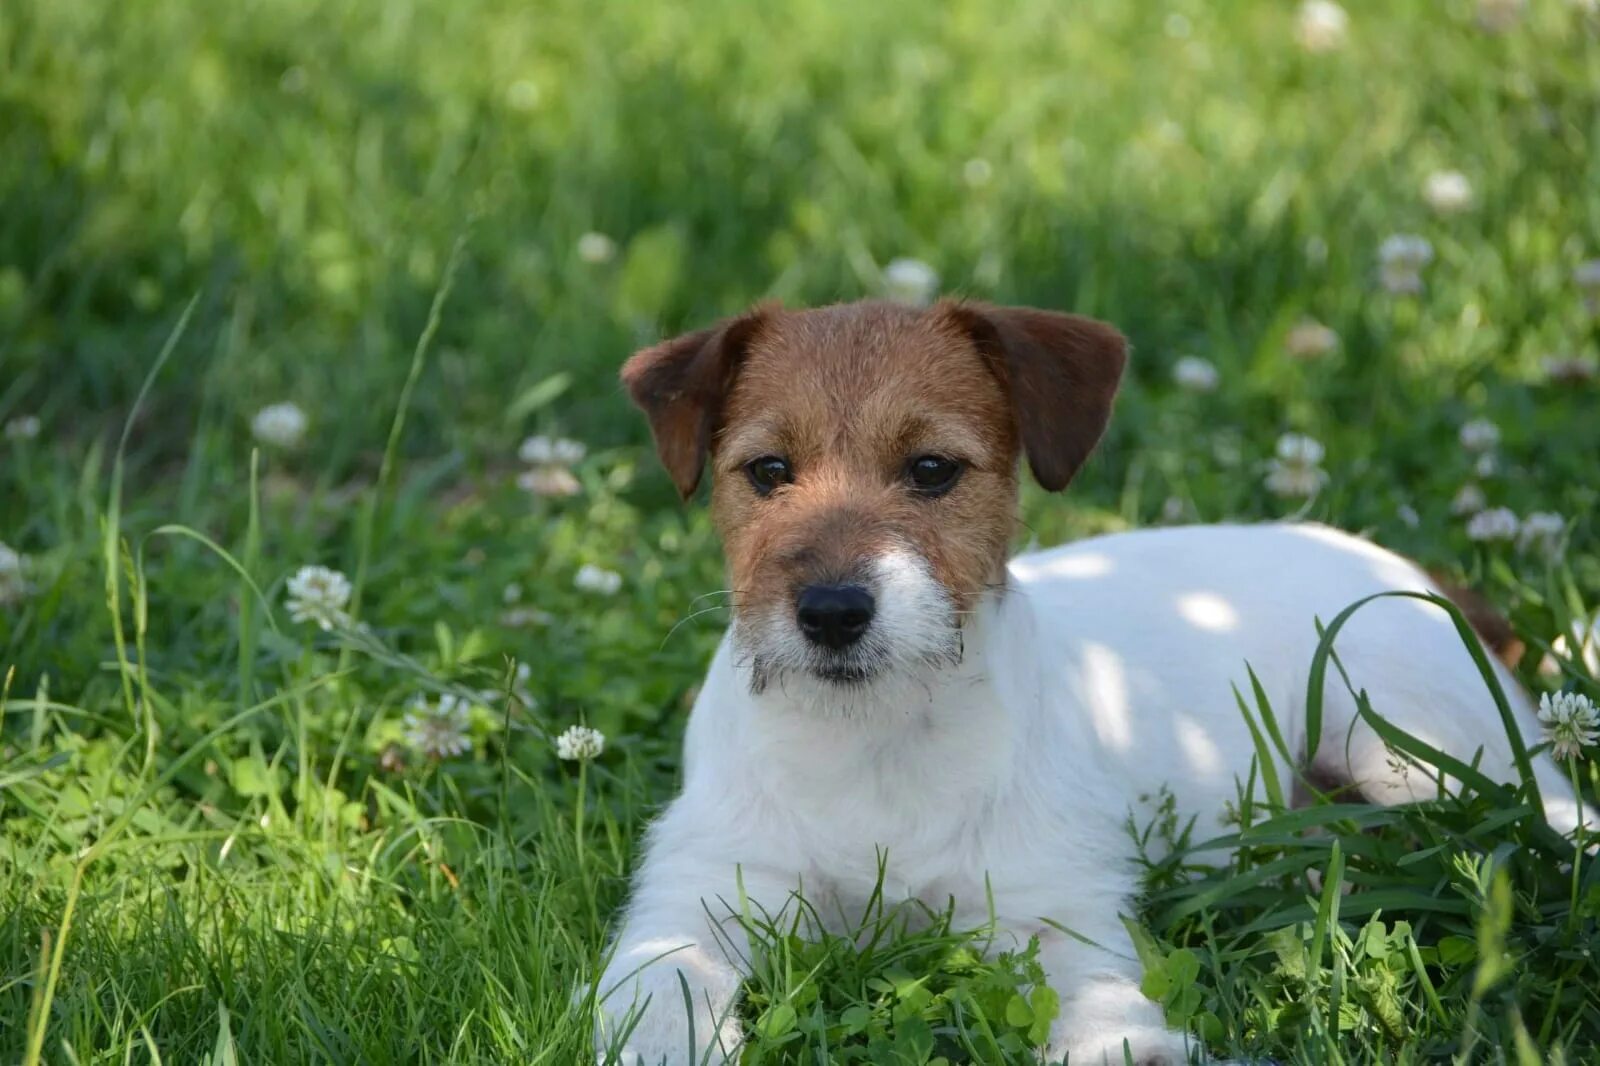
[{"x": 218, "y": 836}]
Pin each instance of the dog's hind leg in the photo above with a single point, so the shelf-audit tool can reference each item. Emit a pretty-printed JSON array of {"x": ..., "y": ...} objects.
[{"x": 1409, "y": 660}]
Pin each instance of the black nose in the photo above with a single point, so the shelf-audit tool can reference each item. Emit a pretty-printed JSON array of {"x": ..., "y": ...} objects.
[{"x": 834, "y": 616}]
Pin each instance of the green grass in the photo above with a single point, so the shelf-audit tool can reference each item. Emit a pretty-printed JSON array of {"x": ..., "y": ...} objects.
[{"x": 215, "y": 844}]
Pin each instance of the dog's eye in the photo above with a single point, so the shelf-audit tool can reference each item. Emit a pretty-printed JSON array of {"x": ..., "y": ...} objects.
[
  {"x": 933, "y": 475},
  {"x": 768, "y": 472}
]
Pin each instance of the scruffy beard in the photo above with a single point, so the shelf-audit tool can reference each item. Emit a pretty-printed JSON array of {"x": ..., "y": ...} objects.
[{"x": 915, "y": 633}]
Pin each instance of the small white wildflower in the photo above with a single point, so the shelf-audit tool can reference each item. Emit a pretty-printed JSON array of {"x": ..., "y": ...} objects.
[
  {"x": 550, "y": 459},
  {"x": 512, "y": 593},
  {"x": 279, "y": 425},
  {"x": 1568, "y": 369},
  {"x": 580, "y": 744},
  {"x": 596, "y": 248},
  {"x": 23, "y": 427},
  {"x": 1296, "y": 469},
  {"x": 977, "y": 172},
  {"x": 1322, "y": 26},
  {"x": 1400, "y": 261},
  {"x": 1498, "y": 16},
  {"x": 542, "y": 450},
  {"x": 1408, "y": 516},
  {"x": 439, "y": 729},
  {"x": 522, "y": 617},
  {"x": 549, "y": 481},
  {"x": 1495, "y": 524},
  {"x": 1486, "y": 466},
  {"x": 523, "y": 95},
  {"x": 1194, "y": 374},
  {"x": 1447, "y": 191},
  {"x": 1542, "y": 532},
  {"x": 596, "y": 579},
  {"x": 318, "y": 594},
  {"x": 1468, "y": 500},
  {"x": 1301, "y": 449},
  {"x": 1309, "y": 339},
  {"x": 910, "y": 281},
  {"x": 1479, "y": 435},
  {"x": 1571, "y": 723},
  {"x": 13, "y": 574}
]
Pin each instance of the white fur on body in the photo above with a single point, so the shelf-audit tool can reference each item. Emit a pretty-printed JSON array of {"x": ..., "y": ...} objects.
[{"x": 1102, "y": 674}]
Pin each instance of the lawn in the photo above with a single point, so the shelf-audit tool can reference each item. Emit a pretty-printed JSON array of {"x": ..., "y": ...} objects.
[{"x": 248, "y": 814}]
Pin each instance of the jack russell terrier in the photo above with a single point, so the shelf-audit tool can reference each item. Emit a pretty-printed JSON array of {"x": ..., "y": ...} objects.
[{"x": 892, "y": 686}]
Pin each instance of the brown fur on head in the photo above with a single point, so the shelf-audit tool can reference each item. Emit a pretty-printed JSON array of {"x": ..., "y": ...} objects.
[{"x": 849, "y": 397}]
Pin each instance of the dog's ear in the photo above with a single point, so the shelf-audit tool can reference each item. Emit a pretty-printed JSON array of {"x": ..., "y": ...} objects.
[
  {"x": 680, "y": 384},
  {"x": 1061, "y": 372}
]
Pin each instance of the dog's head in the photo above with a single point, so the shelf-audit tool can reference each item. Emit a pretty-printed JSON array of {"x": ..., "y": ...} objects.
[{"x": 864, "y": 461}]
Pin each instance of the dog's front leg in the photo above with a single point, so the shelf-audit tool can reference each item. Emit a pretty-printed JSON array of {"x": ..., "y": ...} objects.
[
  {"x": 668, "y": 996},
  {"x": 675, "y": 971},
  {"x": 1101, "y": 1002}
]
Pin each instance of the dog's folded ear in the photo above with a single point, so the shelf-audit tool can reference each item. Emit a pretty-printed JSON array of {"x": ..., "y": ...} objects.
[
  {"x": 680, "y": 385},
  {"x": 1061, "y": 372}
]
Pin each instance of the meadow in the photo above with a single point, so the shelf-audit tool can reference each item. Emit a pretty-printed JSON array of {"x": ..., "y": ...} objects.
[{"x": 342, "y": 283}]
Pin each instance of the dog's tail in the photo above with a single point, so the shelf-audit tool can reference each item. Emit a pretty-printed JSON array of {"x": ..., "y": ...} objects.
[{"x": 1492, "y": 627}]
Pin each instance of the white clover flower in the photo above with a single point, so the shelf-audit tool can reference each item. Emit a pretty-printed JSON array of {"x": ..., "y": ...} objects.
[
  {"x": 279, "y": 425},
  {"x": 512, "y": 593},
  {"x": 1301, "y": 449},
  {"x": 1447, "y": 191},
  {"x": 13, "y": 575},
  {"x": 1400, "y": 262},
  {"x": 1486, "y": 466},
  {"x": 549, "y": 481},
  {"x": 977, "y": 172},
  {"x": 1542, "y": 532},
  {"x": 579, "y": 743},
  {"x": 1322, "y": 26},
  {"x": 1495, "y": 524},
  {"x": 596, "y": 579},
  {"x": 523, "y": 95},
  {"x": 1498, "y": 16},
  {"x": 1296, "y": 470},
  {"x": 1568, "y": 369},
  {"x": 596, "y": 248},
  {"x": 1309, "y": 339},
  {"x": 910, "y": 281},
  {"x": 439, "y": 729},
  {"x": 1571, "y": 723},
  {"x": 545, "y": 451},
  {"x": 23, "y": 427},
  {"x": 522, "y": 617},
  {"x": 551, "y": 459},
  {"x": 1469, "y": 500},
  {"x": 1194, "y": 374},
  {"x": 318, "y": 594},
  {"x": 1479, "y": 435}
]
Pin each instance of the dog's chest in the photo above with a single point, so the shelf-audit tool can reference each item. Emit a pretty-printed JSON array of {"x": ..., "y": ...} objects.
[{"x": 917, "y": 814}]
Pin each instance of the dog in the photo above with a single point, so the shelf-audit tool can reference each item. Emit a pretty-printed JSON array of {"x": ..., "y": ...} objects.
[{"x": 892, "y": 687}]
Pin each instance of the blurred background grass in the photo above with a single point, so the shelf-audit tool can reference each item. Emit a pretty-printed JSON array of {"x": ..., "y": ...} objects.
[{"x": 1190, "y": 171}]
